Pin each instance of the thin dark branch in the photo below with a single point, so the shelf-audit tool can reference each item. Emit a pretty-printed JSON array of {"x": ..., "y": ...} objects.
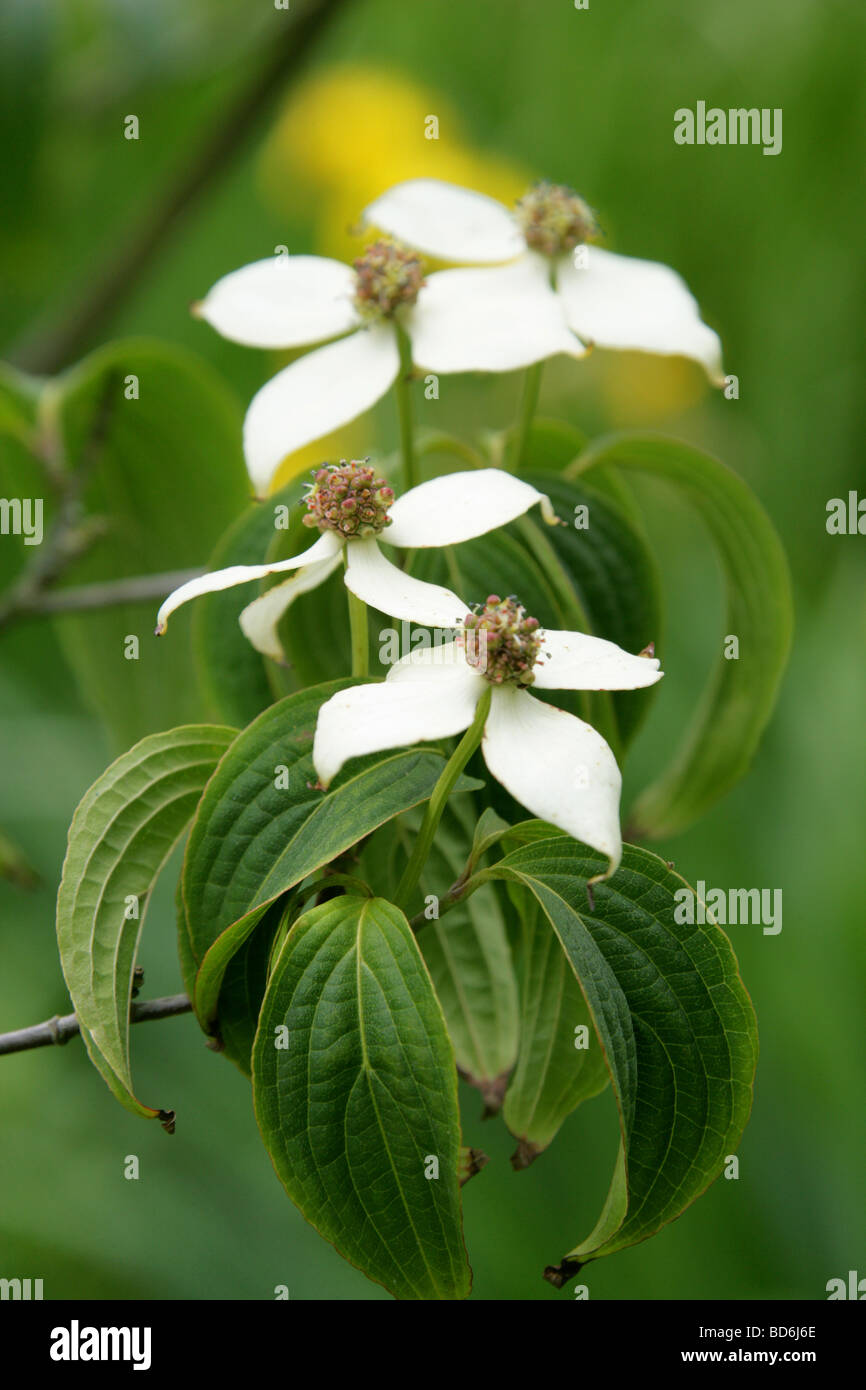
[
  {"x": 138, "y": 589},
  {"x": 66, "y": 341},
  {"x": 72, "y": 532},
  {"x": 58, "y": 1030}
]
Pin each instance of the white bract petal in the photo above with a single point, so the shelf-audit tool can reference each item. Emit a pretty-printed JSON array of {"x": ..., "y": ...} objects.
[
  {"x": 382, "y": 585},
  {"x": 495, "y": 320},
  {"x": 460, "y": 506},
  {"x": 327, "y": 545},
  {"x": 444, "y": 220},
  {"x": 371, "y": 718},
  {"x": 620, "y": 302},
  {"x": 315, "y": 395},
  {"x": 576, "y": 661},
  {"x": 556, "y": 766},
  {"x": 282, "y": 302},
  {"x": 260, "y": 618}
]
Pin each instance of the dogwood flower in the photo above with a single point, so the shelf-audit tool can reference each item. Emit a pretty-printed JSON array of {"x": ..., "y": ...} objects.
[
  {"x": 501, "y": 317},
  {"x": 295, "y": 301},
  {"x": 553, "y": 763},
  {"x": 354, "y": 509}
]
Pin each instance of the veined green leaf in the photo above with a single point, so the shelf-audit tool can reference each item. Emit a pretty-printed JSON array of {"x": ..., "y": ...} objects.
[
  {"x": 355, "y": 1094},
  {"x": 673, "y": 1018},
  {"x": 121, "y": 835},
  {"x": 718, "y": 747},
  {"x": 264, "y": 825}
]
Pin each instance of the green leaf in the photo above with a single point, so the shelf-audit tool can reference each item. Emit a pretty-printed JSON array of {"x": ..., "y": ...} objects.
[
  {"x": 560, "y": 1063},
  {"x": 355, "y": 1094},
  {"x": 121, "y": 835},
  {"x": 554, "y": 444},
  {"x": 188, "y": 963},
  {"x": 466, "y": 948},
  {"x": 672, "y": 1016},
  {"x": 551, "y": 444},
  {"x": 243, "y": 976},
  {"x": 496, "y": 563},
  {"x": 614, "y": 577},
  {"x": 264, "y": 825},
  {"x": 718, "y": 748},
  {"x": 165, "y": 474}
]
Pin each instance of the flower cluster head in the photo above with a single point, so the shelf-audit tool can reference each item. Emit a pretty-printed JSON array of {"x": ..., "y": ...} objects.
[
  {"x": 387, "y": 276},
  {"x": 501, "y": 642},
  {"x": 349, "y": 498},
  {"x": 554, "y": 219}
]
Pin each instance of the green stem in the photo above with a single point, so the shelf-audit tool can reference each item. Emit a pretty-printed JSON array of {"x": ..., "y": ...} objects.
[
  {"x": 404, "y": 410},
  {"x": 436, "y": 805},
  {"x": 358, "y": 632},
  {"x": 456, "y": 894},
  {"x": 526, "y": 414}
]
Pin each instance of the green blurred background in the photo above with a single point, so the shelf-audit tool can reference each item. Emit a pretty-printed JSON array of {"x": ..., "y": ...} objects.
[{"x": 772, "y": 247}]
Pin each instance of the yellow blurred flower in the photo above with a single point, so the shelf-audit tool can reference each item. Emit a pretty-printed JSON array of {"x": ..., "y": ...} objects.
[
  {"x": 642, "y": 389},
  {"x": 351, "y": 132}
]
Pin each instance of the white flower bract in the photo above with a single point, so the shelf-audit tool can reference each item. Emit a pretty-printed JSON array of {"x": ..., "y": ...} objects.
[
  {"x": 553, "y": 763},
  {"x": 444, "y": 511},
  {"x": 467, "y": 319}
]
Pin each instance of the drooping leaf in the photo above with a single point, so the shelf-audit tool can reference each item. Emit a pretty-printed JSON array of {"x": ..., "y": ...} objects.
[
  {"x": 560, "y": 1063},
  {"x": 672, "y": 1016},
  {"x": 717, "y": 749},
  {"x": 121, "y": 835},
  {"x": 356, "y": 1097}
]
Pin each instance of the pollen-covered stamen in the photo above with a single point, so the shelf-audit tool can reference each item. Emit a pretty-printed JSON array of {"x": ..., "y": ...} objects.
[
  {"x": 348, "y": 498},
  {"x": 501, "y": 643},
  {"x": 388, "y": 275},
  {"x": 554, "y": 219}
]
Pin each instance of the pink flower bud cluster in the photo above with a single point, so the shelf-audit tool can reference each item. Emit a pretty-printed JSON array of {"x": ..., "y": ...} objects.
[
  {"x": 350, "y": 499},
  {"x": 388, "y": 275},
  {"x": 554, "y": 219},
  {"x": 501, "y": 643}
]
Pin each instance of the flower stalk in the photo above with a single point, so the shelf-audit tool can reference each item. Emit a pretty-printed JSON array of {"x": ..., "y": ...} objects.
[
  {"x": 436, "y": 805},
  {"x": 358, "y": 631},
  {"x": 403, "y": 389},
  {"x": 526, "y": 414}
]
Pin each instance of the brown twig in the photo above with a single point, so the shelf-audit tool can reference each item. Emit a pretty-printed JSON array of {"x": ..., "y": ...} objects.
[{"x": 58, "y": 1030}]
